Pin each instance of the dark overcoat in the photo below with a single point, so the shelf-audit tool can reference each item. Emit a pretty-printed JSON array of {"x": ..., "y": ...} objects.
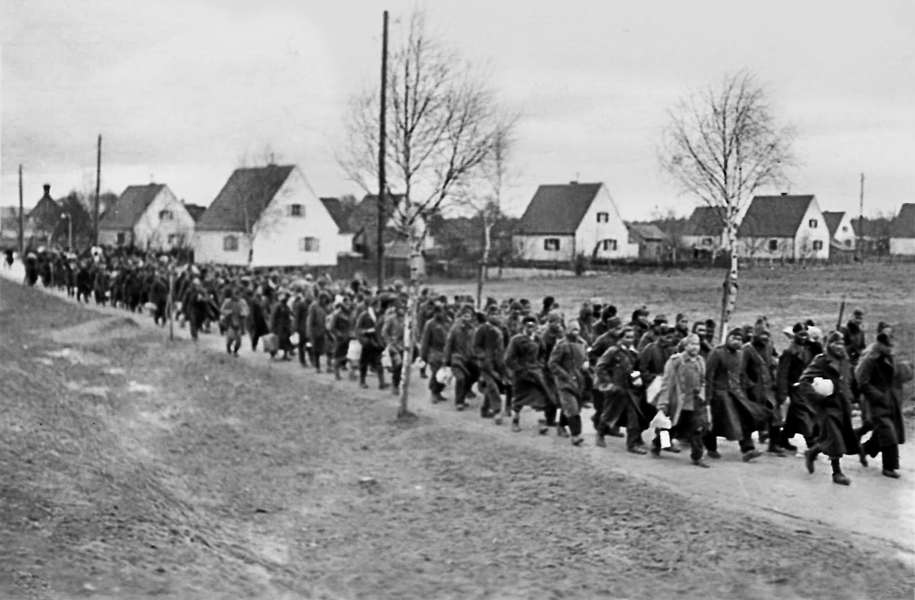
[
  {"x": 726, "y": 395},
  {"x": 529, "y": 386},
  {"x": 835, "y": 434},
  {"x": 881, "y": 403}
]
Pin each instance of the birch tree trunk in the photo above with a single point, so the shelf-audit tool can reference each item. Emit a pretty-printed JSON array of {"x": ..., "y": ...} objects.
[
  {"x": 410, "y": 318},
  {"x": 729, "y": 292}
]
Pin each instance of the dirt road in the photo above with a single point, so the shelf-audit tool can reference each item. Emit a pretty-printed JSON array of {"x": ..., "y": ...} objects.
[{"x": 133, "y": 472}]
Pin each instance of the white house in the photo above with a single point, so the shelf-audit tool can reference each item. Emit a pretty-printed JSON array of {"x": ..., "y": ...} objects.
[
  {"x": 784, "y": 227},
  {"x": 268, "y": 216},
  {"x": 147, "y": 216},
  {"x": 704, "y": 231},
  {"x": 566, "y": 220},
  {"x": 902, "y": 232},
  {"x": 841, "y": 230}
]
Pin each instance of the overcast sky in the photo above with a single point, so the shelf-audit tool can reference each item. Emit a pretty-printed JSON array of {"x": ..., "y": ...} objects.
[{"x": 184, "y": 91}]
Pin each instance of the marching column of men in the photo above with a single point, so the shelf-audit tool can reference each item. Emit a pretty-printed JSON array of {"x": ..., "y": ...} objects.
[{"x": 644, "y": 374}]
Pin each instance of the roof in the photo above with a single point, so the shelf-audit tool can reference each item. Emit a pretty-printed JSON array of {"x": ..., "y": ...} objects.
[
  {"x": 45, "y": 213},
  {"x": 646, "y": 232},
  {"x": 774, "y": 216},
  {"x": 340, "y": 213},
  {"x": 364, "y": 219},
  {"x": 557, "y": 209},
  {"x": 903, "y": 225},
  {"x": 130, "y": 206},
  {"x": 705, "y": 221},
  {"x": 833, "y": 218},
  {"x": 243, "y": 198},
  {"x": 195, "y": 210}
]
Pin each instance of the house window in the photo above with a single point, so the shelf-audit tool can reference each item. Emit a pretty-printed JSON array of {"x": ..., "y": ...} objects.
[
  {"x": 848, "y": 243},
  {"x": 122, "y": 237},
  {"x": 603, "y": 217},
  {"x": 812, "y": 223},
  {"x": 296, "y": 210},
  {"x": 817, "y": 245},
  {"x": 845, "y": 228},
  {"x": 166, "y": 215},
  {"x": 175, "y": 239},
  {"x": 609, "y": 245},
  {"x": 230, "y": 243},
  {"x": 773, "y": 245},
  {"x": 308, "y": 244},
  {"x": 706, "y": 241},
  {"x": 551, "y": 244}
]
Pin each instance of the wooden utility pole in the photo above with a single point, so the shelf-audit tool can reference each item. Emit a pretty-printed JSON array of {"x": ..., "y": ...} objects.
[
  {"x": 171, "y": 301},
  {"x": 98, "y": 186},
  {"x": 21, "y": 221},
  {"x": 382, "y": 183},
  {"x": 860, "y": 243}
]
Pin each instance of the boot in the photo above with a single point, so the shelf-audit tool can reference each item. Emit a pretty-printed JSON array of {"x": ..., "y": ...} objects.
[
  {"x": 337, "y": 372},
  {"x": 381, "y": 384},
  {"x": 841, "y": 478},
  {"x": 600, "y": 441}
]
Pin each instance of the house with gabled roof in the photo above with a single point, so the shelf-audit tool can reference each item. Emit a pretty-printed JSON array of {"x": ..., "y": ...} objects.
[
  {"x": 650, "y": 239},
  {"x": 566, "y": 220},
  {"x": 784, "y": 227},
  {"x": 842, "y": 233},
  {"x": 902, "y": 231},
  {"x": 704, "y": 230},
  {"x": 147, "y": 216},
  {"x": 268, "y": 216},
  {"x": 41, "y": 222}
]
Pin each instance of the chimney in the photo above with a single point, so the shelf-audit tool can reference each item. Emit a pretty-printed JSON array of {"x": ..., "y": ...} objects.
[{"x": 47, "y": 190}]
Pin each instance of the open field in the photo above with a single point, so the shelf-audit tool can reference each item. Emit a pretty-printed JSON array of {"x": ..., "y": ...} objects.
[{"x": 136, "y": 468}]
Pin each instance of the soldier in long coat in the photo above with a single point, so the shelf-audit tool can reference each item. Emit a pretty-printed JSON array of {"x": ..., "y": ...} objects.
[
  {"x": 300, "y": 308},
  {"x": 568, "y": 363},
  {"x": 392, "y": 332},
  {"x": 488, "y": 352},
  {"x": 624, "y": 403},
  {"x": 281, "y": 324},
  {"x": 734, "y": 416},
  {"x": 368, "y": 331},
  {"x": 234, "y": 312},
  {"x": 341, "y": 328},
  {"x": 458, "y": 354},
  {"x": 432, "y": 349},
  {"x": 880, "y": 384},
  {"x": 799, "y": 415},
  {"x": 835, "y": 435},
  {"x": 529, "y": 386},
  {"x": 758, "y": 369},
  {"x": 316, "y": 329}
]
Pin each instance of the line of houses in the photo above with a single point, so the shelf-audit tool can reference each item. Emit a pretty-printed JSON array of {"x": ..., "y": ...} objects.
[
  {"x": 272, "y": 216},
  {"x": 563, "y": 221}
]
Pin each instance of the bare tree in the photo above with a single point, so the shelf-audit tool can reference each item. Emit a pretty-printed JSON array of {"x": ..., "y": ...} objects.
[
  {"x": 487, "y": 206},
  {"x": 443, "y": 124},
  {"x": 721, "y": 145}
]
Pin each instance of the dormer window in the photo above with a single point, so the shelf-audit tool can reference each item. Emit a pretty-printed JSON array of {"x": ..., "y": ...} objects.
[{"x": 603, "y": 217}]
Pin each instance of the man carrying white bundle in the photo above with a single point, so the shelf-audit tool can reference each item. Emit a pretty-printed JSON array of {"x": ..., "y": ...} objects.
[{"x": 826, "y": 383}]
